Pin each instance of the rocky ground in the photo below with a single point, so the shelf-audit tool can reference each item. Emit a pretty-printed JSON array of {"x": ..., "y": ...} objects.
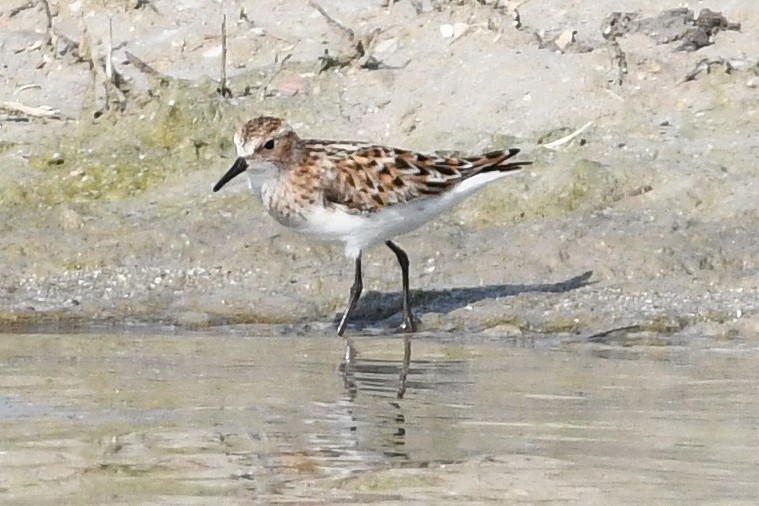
[{"x": 645, "y": 221}]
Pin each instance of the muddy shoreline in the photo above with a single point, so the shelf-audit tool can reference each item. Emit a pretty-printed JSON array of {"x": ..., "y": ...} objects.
[{"x": 110, "y": 219}]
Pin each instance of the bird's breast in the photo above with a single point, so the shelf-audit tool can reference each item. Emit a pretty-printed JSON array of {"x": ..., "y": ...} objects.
[{"x": 284, "y": 204}]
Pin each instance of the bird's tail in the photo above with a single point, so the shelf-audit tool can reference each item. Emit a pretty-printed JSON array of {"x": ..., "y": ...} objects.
[{"x": 496, "y": 161}]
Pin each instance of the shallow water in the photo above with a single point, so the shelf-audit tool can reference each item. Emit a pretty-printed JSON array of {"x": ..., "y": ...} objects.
[{"x": 166, "y": 419}]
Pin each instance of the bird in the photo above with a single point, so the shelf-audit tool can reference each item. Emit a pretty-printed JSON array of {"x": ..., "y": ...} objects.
[{"x": 356, "y": 193}]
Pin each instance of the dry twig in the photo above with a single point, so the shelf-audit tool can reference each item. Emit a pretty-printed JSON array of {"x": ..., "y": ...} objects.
[
  {"x": 555, "y": 144},
  {"x": 278, "y": 65},
  {"x": 32, "y": 112},
  {"x": 53, "y": 36},
  {"x": 223, "y": 90},
  {"x": 705, "y": 65},
  {"x": 109, "y": 52},
  {"x": 360, "y": 47},
  {"x": 26, "y": 87},
  {"x": 347, "y": 32},
  {"x": 49, "y": 27},
  {"x": 142, "y": 66},
  {"x": 20, "y": 8},
  {"x": 104, "y": 72},
  {"x": 155, "y": 76}
]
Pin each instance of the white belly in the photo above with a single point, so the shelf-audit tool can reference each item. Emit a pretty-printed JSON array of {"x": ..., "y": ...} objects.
[{"x": 361, "y": 231}]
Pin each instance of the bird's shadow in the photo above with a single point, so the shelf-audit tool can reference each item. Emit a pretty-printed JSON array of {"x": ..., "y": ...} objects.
[{"x": 374, "y": 306}]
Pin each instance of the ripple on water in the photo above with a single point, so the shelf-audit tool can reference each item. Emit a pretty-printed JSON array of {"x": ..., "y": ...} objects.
[{"x": 180, "y": 417}]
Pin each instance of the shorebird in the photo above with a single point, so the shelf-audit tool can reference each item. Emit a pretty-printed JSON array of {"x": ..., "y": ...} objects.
[{"x": 357, "y": 193}]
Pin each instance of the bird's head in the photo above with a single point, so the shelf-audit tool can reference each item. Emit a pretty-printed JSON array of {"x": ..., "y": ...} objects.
[{"x": 263, "y": 140}]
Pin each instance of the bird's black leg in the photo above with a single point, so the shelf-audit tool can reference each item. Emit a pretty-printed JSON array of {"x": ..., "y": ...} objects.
[
  {"x": 408, "y": 320},
  {"x": 355, "y": 293},
  {"x": 404, "y": 367}
]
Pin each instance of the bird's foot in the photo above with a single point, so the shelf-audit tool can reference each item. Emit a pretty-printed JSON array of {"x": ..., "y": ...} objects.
[
  {"x": 408, "y": 325},
  {"x": 350, "y": 352}
]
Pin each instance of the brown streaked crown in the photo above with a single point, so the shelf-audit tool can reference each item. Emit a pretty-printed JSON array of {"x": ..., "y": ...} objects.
[{"x": 265, "y": 137}]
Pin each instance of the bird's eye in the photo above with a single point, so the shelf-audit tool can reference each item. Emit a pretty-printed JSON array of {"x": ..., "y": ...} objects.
[{"x": 269, "y": 144}]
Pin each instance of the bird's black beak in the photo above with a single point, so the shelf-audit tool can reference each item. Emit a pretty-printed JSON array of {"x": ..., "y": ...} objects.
[{"x": 237, "y": 168}]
